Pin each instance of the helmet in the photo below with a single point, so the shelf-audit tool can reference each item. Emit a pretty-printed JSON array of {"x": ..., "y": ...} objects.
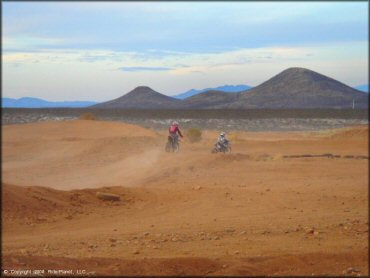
[
  {"x": 222, "y": 134},
  {"x": 175, "y": 123}
]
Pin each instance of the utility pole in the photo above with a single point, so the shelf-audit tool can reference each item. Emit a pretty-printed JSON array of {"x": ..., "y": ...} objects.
[{"x": 353, "y": 103}]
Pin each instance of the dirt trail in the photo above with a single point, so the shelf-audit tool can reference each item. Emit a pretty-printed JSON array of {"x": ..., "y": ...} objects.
[{"x": 278, "y": 205}]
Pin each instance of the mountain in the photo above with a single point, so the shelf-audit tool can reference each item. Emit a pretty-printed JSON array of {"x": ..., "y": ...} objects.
[
  {"x": 29, "y": 102},
  {"x": 141, "y": 97},
  {"x": 292, "y": 88},
  {"x": 209, "y": 99},
  {"x": 363, "y": 88},
  {"x": 300, "y": 88},
  {"x": 225, "y": 88}
]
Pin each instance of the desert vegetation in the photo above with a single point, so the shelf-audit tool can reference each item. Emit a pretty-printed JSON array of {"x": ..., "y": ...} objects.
[
  {"x": 194, "y": 135},
  {"x": 88, "y": 116},
  {"x": 251, "y": 119}
]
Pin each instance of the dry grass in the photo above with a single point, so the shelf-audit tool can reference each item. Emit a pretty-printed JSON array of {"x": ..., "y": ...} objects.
[
  {"x": 88, "y": 116},
  {"x": 194, "y": 135}
]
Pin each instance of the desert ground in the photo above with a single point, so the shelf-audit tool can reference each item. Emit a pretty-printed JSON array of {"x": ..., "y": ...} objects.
[{"x": 282, "y": 203}]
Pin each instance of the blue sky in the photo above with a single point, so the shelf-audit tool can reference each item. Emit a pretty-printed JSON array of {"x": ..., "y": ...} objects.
[{"x": 102, "y": 50}]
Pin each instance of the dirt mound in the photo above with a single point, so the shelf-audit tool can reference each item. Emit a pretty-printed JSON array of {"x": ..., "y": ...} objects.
[
  {"x": 30, "y": 201},
  {"x": 76, "y": 154},
  {"x": 39, "y": 204},
  {"x": 355, "y": 133},
  {"x": 75, "y": 129}
]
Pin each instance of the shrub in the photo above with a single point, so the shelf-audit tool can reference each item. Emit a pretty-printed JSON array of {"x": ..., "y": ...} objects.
[
  {"x": 88, "y": 116},
  {"x": 194, "y": 135}
]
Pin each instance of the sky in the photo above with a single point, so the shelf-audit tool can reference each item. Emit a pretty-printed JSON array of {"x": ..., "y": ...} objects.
[{"x": 99, "y": 51}]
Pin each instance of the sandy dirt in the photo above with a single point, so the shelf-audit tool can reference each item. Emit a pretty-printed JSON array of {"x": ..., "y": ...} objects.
[{"x": 288, "y": 203}]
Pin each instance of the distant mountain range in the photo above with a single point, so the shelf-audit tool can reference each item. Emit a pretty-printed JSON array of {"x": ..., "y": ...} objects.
[
  {"x": 364, "y": 88},
  {"x": 29, "y": 102},
  {"x": 225, "y": 88},
  {"x": 292, "y": 88}
]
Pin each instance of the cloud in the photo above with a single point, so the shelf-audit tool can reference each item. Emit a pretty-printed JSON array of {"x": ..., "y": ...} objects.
[
  {"x": 96, "y": 57},
  {"x": 30, "y": 43},
  {"x": 179, "y": 26},
  {"x": 173, "y": 62},
  {"x": 135, "y": 69}
]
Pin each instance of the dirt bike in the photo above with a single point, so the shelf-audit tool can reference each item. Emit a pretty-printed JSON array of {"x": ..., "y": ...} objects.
[
  {"x": 221, "y": 148},
  {"x": 172, "y": 144}
]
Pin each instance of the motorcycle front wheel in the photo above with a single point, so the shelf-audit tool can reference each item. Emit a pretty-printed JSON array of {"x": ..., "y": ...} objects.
[
  {"x": 175, "y": 147},
  {"x": 168, "y": 147}
]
